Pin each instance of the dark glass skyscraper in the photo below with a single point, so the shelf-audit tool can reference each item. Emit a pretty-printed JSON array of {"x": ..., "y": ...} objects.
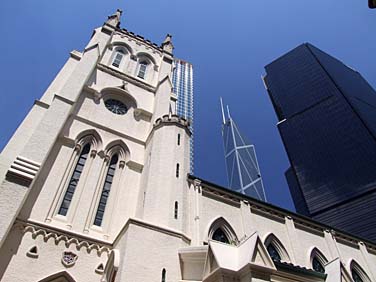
[{"x": 327, "y": 121}]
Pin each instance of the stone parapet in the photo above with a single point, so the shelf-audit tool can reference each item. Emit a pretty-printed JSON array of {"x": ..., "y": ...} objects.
[{"x": 173, "y": 120}]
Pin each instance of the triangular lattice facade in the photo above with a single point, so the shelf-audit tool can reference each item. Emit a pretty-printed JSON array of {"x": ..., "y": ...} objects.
[{"x": 241, "y": 162}]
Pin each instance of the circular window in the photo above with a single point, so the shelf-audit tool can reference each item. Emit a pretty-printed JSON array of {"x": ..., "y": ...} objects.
[{"x": 116, "y": 106}]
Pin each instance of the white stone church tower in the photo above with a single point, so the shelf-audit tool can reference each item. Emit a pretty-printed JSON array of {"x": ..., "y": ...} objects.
[{"x": 94, "y": 187}]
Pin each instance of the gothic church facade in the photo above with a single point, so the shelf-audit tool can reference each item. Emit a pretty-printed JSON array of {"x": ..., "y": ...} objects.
[{"x": 95, "y": 187}]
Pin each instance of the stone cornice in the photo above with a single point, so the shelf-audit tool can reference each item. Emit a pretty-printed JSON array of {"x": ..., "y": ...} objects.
[
  {"x": 49, "y": 232},
  {"x": 126, "y": 77}
]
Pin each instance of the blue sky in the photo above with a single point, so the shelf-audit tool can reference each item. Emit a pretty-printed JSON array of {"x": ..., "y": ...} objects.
[{"x": 228, "y": 42}]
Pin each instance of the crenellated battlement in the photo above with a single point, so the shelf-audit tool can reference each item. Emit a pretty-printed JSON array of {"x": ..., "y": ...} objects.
[{"x": 173, "y": 120}]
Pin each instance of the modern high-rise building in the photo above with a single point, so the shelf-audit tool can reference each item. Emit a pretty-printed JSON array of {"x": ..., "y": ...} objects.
[
  {"x": 182, "y": 80},
  {"x": 94, "y": 187},
  {"x": 327, "y": 121},
  {"x": 243, "y": 171}
]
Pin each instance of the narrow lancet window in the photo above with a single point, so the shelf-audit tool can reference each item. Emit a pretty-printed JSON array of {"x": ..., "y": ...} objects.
[
  {"x": 178, "y": 139},
  {"x": 176, "y": 210},
  {"x": 163, "y": 275},
  {"x": 177, "y": 170},
  {"x": 106, "y": 191},
  {"x": 74, "y": 180}
]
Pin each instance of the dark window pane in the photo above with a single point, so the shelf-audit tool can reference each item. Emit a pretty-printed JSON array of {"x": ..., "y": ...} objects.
[
  {"x": 105, "y": 191},
  {"x": 356, "y": 276},
  {"x": 317, "y": 266},
  {"x": 273, "y": 253},
  {"x": 74, "y": 180},
  {"x": 220, "y": 236}
]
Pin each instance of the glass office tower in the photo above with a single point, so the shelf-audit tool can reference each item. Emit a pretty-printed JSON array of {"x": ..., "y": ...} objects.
[
  {"x": 182, "y": 80},
  {"x": 327, "y": 121}
]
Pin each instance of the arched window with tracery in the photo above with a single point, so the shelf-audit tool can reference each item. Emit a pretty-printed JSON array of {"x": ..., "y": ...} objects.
[
  {"x": 106, "y": 190},
  {"x": 275, "y": 249},
  {"x": 73, "y": 182},
  {"x": 318, "y": 261},
  {"x": 221, "y": 231}
]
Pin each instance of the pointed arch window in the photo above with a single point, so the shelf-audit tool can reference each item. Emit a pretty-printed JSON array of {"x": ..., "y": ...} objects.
[
  {"x": 106, "y": 190},
  {"x": 274, "y": 254},
  {"x": 142, "y": 68},
  {"x": 220, "y": 235},
  {"x": 358, "y": 274},
  {"x": 318, "y": 261},
  {"x": 118, "y": 57},
  {"x": 276, "y": 249},
  {"x": 63, "y": 210},
  {"x": 221, "y": 231}
]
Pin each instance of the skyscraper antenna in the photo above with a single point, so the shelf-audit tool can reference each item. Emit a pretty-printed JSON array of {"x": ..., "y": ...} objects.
[
  {"x": 228, "y": 112},
  {"x": 223, "y": 112}
]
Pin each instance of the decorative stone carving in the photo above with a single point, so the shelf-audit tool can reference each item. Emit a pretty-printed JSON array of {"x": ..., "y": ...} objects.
[
  {"x": 167, "y": 44},
  {"x": 114, "y": 19},
  {"x": 121, "y": 164},
  {"x": 93, "y": 153},
  {"x": 124, "y": 86},
  {"x": 58, "y": 237},
  {"x": 68, "y": 258},
  {"x": 97, "y": 96}
]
